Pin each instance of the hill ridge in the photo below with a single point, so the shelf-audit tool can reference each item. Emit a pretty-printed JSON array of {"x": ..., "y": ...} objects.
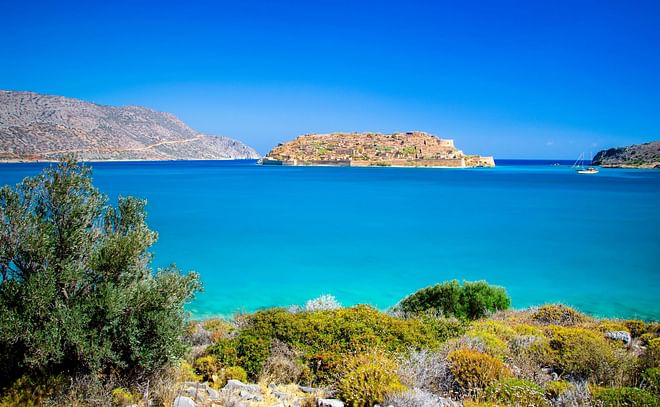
[{"x": 38, "y": 127}]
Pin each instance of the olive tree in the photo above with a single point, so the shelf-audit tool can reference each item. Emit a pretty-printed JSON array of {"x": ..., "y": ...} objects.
[{"x": 77, "y": 294}]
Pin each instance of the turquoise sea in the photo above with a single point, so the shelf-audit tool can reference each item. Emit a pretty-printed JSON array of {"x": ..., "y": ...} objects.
[{"x": 275, "y": 236}]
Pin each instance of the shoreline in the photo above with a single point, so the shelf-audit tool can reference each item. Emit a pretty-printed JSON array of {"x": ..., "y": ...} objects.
[
  {"x": 232, "y": 316},
  {"x": 126, "y": 160}
]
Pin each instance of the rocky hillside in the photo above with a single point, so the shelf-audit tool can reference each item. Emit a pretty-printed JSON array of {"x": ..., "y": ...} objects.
[
  {"x": 40, "y": 127},
  {"x": 410, "y": 149},
  {"x": 645, "y": 155}
]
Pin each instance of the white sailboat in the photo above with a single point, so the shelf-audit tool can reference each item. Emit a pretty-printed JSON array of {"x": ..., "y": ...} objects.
[{"x": 580, "y": 169}]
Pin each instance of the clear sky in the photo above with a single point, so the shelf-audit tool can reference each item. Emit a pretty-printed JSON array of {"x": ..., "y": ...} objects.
[{"x": 516, "y": 79}]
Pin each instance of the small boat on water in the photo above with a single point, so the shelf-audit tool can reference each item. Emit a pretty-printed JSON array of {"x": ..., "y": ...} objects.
[
  {"x": 580, "y": 168},
  {"x": 589, "y": 170}
]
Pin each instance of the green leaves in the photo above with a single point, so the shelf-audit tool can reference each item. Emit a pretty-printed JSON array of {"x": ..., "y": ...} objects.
[
  {"x": 473, "y": 300},
  {"x": 76, "y": 291}
]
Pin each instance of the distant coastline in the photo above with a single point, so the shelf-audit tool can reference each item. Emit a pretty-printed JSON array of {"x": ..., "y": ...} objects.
[
  {"x": 645, "y": 156},
  {"x": 38, "y": 127}
]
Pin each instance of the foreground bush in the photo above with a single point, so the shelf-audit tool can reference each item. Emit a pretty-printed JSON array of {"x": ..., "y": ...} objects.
[
  {"x": 473, "y": 300},
  {"x": 583, "y": 354},
  {"x": 474, "y": 371},
  {"x": 367, "y": 379},
  {"x": 76, "y": 294}
]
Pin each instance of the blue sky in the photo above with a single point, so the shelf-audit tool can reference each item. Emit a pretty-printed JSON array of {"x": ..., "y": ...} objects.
[{"x": 516, "y": 79}]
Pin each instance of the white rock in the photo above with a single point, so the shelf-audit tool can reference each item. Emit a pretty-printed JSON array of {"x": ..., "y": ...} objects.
[
  {"x": 213, "y": 393},
  {"x": 622, "y": 336},
  {"x": 183, "y": 401},
  {"x": 238, "y": 385}
]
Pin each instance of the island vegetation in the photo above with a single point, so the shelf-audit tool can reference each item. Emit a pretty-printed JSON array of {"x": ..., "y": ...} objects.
[{"x": 85, "y": 321}]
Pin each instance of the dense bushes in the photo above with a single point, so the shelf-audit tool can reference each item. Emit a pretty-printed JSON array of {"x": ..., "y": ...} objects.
[
  {"x": 581, "y": 353},
  {"x": 512, "y": 358},
  {"x": 473, "y": 300},
  {"x": 474, "y": 371},
  {"x": 324, "y": 337},
  {"x": 76, "y": 294}
]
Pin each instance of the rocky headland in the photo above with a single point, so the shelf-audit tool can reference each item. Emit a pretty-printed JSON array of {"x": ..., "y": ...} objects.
[
  {"x": 36, "y": 127},
  {"x": 409, "y": 149},
  {"x": 645, "y": 155}
]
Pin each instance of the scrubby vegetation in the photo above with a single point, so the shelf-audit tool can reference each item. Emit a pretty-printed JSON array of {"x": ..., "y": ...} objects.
[
  {"x": 550, "y": 356},
  {"x": 82, "y": 317},
  {"x": 78, "y": 302},
  {"x": 324, "y": 338}
]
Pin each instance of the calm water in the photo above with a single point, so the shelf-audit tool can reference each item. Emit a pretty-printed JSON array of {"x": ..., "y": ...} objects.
[{"x": 266, "y": 236}]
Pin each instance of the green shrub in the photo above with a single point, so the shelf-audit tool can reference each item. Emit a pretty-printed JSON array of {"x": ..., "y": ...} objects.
[
  {"x": 253, "y": 352},
  {"x": 246, "y": 350},
  {"x": 473, "y": 300},
  {"x": 367, "y": 379},
  {"x": 558, "y": 314},
  {"x": 582, "y": 353},
  {"x": 474, "y": 371},
  {"x": 494, "y": 346},
  {"x": 516, "y": 392},
  {"x": 76, "y": 294},
  {"x": 528, "y": 354},
  {"x": 225, "y": 351},
  {"x": 623, "y": 396},
  {"x": 557, "y": 388},
  {"x": 652, "y": 379}
]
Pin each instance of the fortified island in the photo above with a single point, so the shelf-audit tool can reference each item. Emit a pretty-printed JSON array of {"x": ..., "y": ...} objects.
[{"x": 409, "y": 149}]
